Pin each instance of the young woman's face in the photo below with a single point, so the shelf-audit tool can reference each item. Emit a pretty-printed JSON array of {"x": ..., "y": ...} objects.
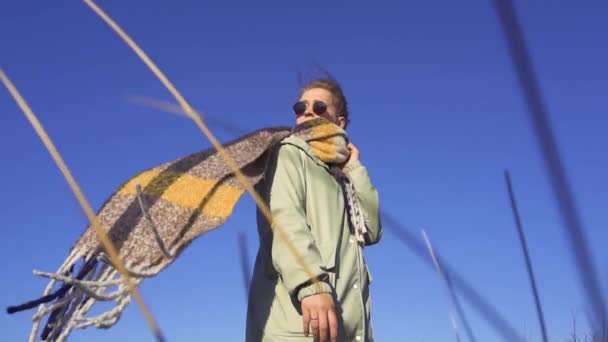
[{"x": 321, "y": 96}]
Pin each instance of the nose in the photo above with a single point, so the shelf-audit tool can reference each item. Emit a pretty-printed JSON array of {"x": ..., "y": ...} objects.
[{"x": 309, "y": 113}]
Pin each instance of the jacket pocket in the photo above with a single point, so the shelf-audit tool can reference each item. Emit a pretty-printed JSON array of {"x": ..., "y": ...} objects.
[{"x": 327, "y": 248}]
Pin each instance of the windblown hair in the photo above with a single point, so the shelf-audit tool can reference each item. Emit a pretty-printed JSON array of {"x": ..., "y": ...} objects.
[{"x": 329, "y": 83}]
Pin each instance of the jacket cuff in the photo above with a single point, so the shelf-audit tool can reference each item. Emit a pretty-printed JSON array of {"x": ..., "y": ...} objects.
[
  {"x": 313, "y": 289},
  {"x": 352, "y": 165}
]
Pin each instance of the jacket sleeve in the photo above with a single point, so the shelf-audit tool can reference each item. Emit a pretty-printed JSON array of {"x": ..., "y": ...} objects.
[
  {"x": 295, "y": 255},
  {"x": 368, "y": 197}
]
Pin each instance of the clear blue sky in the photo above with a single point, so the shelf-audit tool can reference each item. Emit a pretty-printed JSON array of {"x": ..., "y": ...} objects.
[{"x": 436, "y": 113}]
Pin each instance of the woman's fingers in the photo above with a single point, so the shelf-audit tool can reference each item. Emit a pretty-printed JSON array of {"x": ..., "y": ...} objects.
[
  {"x": 314, "y": 325},
  {"x": 323, "y": 327},
  {"x": 354, "y": 151},
  {"x": 333, "y": 325},
  {"x": 306, "y": 321}
]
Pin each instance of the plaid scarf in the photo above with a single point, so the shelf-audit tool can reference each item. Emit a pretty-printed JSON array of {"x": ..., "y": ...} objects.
[
  {"x": 155, "y": 215},
  {"x": 327, "y": 140}
]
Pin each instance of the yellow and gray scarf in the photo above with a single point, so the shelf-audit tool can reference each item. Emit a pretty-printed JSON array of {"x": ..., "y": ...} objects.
[
  {"x": 156, "y": 214},
  {"x": 328, "y": 141}
]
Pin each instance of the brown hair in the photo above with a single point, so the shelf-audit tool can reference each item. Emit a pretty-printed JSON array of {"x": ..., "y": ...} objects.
[{"x": 332, "y": 86}]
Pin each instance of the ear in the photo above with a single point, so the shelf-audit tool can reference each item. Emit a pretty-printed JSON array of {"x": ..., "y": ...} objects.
[{"x": 341, "y": 122}]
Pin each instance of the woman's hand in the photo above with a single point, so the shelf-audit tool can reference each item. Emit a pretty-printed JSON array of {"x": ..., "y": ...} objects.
[
  {"x": 319, "y": 313},
  {"x": 354, "y": 152}
]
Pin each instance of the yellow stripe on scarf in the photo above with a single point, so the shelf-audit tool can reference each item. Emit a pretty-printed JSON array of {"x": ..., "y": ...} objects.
[
  {"x": 187, "y": 191},
  {"x": 324, "y": 141}
]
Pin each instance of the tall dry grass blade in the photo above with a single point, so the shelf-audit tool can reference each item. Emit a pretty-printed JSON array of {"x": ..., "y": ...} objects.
[
  {"x": 169, "y": 107},
  {"x": 228, "y": 160},
  {"x": 244, "y": 259},
  {"x": 460, "y": 311},
  {"x": 86, "y": 207},
  {"x": 448, "y": 288},
  {"x": 486, "y": 310},
  {"x": 541, "y": 123},
  {"x": 524, "y": 247}
]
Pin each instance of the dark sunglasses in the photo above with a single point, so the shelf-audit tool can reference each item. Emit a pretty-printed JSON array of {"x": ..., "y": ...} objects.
[{"x": 318, "y": 107}]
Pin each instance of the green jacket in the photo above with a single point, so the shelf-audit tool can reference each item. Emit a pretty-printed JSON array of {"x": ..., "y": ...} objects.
[{"x": 307, "y": 202}]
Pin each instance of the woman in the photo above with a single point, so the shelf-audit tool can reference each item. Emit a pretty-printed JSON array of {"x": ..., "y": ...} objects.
[{"x": 307, "y": 185}]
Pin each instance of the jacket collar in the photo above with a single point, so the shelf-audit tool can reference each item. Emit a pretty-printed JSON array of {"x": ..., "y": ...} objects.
[{"x": 303, "y": 145}]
